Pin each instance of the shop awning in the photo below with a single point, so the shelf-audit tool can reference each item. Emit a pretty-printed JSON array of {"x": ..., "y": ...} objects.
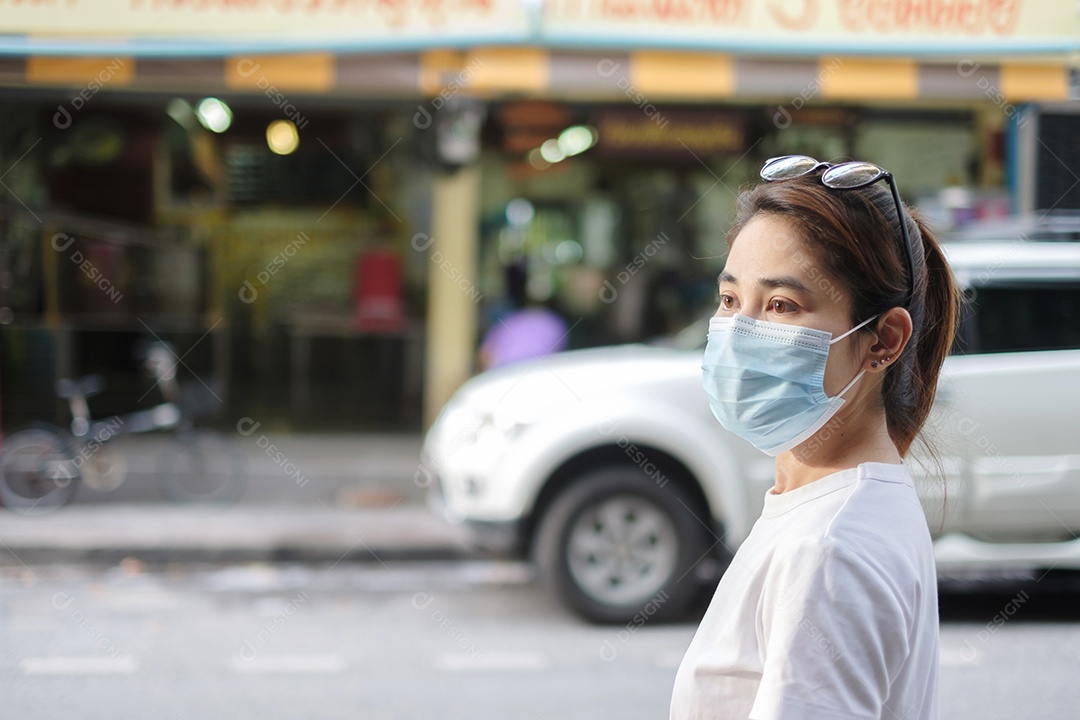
[
  {"x": 640, "y": 78},
  {"x": 636, "y": 50}
]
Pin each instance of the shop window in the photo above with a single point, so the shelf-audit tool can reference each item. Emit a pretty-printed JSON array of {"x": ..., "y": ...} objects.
[
  {"x": 924, "y": 152},
  {"x": 103, "y": 167},
  {"x": 311, "y": 176}
]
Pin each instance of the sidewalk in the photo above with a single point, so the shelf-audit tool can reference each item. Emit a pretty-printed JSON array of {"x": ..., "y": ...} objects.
[{"x": 314, "y": 498}]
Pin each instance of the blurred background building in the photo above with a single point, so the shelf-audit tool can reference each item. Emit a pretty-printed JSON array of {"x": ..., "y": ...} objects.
[{"x": 324, "y": 206}]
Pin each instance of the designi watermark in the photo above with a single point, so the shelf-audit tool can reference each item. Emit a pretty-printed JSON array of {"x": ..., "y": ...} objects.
[
  {"x": 61, "y": 242},
  {"x": 246, "y": 67},
  {"x": 967, "y": 68},
  {"x": 968, "y": 650},
  {"x": 65, "y": 603},
  {"x": 423, "y": 118},
  {"x": 422, "y": 601},
  {"x": 608, "y": 67},
  {"x": 247, "y": 426},
  {"x": 63, "y": 117},
  {"x": 249, "y": 649},
  {"x": 782, "y": 117},
  {"x": 609, "y": 293},
  {"x": 608, "y": 650},
  {"x": 421, "y": 242},
  {"x": 248, "y": 292}
]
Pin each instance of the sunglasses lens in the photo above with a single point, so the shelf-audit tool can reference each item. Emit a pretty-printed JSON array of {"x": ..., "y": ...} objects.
[
  {"x": 852, "y": 175},
  {"x": 788, "y": 167}
]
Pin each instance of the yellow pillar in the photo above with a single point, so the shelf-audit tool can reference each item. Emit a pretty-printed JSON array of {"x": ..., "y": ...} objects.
[
  {"x": 51, "y": 241},
  {"x": 453, "y": 286}
]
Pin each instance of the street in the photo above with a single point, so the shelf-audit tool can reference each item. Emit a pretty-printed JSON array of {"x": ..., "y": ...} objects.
[
  {"x": 442, "y": 640},
  {"x": 317, "y": 317}
]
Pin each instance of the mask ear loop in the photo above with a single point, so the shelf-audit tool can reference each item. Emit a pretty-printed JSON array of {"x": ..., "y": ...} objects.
[
  {"x": 862, "y": 372},
  {"x": 873, "y": 363},
  {"x": 848, "y": 386},
  {"x": 864, "y": 323}
]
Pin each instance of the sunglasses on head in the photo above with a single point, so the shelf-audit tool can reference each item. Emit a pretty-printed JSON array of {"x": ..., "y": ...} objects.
[{"x": 845, "y": 176}]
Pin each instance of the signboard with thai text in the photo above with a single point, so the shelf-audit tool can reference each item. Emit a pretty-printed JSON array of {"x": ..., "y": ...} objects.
[
  {"x": 306, "y": 23},
  {"x": 668, "y": 134},
  {"x": 834, "y": 27},
  {"x": 1046, "y": 29}
]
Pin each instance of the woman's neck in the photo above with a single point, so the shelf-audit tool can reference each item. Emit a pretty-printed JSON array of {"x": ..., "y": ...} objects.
[{"x": 844, "y": 442}]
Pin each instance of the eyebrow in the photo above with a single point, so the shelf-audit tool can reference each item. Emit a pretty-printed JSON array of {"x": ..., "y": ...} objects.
[{"x": 786, "y": 281}]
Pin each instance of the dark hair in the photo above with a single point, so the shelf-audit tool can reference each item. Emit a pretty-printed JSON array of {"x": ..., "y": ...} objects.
[{"x": 854, "y": 234}]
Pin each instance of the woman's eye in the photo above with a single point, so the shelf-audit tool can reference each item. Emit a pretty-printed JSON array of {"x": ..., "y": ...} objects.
[
  {"x": 727, "y": 302},
  {"x": 781, "y": 306}
]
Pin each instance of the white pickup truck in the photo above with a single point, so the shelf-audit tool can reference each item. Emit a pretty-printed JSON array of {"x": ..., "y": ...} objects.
[{"x": 607, "y": 467}]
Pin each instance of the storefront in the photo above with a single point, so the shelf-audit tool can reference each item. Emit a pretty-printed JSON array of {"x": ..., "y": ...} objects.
[
  {"x": 283, "y": 271},
  {"x": 323, "y": 208},
  {"x": 625, "y": 239}
]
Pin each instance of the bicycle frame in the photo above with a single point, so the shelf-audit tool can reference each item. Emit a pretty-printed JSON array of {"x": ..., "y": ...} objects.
[
  {"x": 40, "y": 467},
  {"x": 165, "y": 416}
]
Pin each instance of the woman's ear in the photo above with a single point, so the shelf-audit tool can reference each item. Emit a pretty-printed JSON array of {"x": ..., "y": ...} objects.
[{"x": 893, "y": 330}]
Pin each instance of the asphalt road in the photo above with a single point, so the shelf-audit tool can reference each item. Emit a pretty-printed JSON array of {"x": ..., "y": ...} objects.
[{"x": 437, "y": 640}]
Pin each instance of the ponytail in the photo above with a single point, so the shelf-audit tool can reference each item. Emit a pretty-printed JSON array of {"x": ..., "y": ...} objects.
[{"x": 909, "y": 389}]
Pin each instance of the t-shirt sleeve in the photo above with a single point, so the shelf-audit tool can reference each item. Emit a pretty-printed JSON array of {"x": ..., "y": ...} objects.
[{"x": 834, "y": 634}]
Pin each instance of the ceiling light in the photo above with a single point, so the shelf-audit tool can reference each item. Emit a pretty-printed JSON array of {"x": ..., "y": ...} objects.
[
  {"x": 282, "y": 137},
  {"x": 214, "y": 115},
  {"x": 519, "y": 212},
  {"x": 576, "y": 139},
  {"x": 551, "y": 152},
  {"x": 537, "y": 161}
]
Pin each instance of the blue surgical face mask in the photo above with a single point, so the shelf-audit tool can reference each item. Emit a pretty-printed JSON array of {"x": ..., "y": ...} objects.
[{"x": 765, "y": 381}]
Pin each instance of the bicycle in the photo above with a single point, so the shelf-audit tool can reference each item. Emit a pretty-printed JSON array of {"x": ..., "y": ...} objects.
[{"x": 40, "y": 467}]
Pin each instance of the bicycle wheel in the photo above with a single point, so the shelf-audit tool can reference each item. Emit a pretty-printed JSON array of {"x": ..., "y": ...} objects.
[
  {"x": 201, "y": 467},
  {"x": 38, "y": 470}
]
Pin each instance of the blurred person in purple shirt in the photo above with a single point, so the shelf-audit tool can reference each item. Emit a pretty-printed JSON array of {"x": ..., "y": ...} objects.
[
  {"x": 529, "y": 332},
  {"x": 522, "y": 327}
]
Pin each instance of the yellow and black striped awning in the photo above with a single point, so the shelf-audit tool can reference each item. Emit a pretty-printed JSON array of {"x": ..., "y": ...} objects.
[{"x": 634, "y": 76}]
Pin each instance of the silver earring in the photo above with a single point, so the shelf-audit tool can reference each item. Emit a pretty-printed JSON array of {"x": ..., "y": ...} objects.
[{"x": 873, "y": 363}]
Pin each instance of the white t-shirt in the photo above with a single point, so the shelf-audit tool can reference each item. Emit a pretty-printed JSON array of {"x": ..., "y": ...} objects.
[{"x": 828, "y": 610}]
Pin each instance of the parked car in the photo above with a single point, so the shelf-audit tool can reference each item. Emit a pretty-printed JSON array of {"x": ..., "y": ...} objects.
[
  {"x": 1041, "y": 226},
  {"x": 607, "y": 467}
]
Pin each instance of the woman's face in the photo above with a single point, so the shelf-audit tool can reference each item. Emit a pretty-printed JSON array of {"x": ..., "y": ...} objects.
[{"x": 771, "y": 275}]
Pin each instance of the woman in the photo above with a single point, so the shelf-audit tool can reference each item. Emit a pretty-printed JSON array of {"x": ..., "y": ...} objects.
[{"x": 837, "y": 309}]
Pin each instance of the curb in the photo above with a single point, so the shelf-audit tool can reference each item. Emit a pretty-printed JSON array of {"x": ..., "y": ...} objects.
[
  {"x": 16, "y": 556},
  {"x": 199, "y": 534}
]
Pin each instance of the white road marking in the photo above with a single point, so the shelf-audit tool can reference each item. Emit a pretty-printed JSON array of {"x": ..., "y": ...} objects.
[
  {"x": 140, "y": 602},
  {"x": 392, "y": 577},
  {"x": 288, "y": 664},
  {"x": 964, "y": 656},
  {"x": 669, "y": 660},
  {"x": 491, "y": 661},
  {"x": 79, "y": 665}
]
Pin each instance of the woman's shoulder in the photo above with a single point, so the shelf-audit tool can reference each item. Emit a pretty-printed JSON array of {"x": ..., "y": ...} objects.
[
  {"x": 878, "y": 522},
  {"x": 883, "y": 504},
  {"x": 841, "y": 560}
]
